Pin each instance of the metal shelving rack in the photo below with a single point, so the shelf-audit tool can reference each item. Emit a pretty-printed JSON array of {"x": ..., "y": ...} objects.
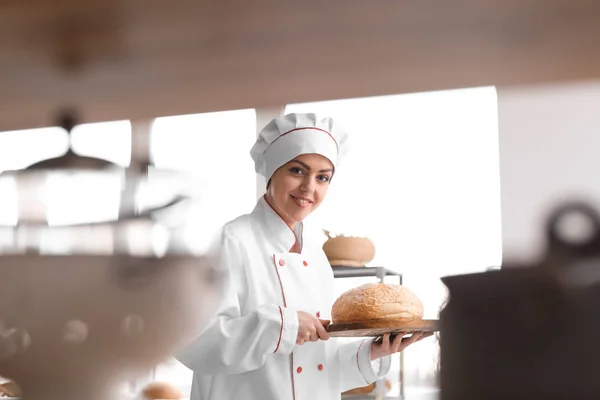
[
  {"x": 364, "y": 272},
  {"x": 380, "y": 273}
]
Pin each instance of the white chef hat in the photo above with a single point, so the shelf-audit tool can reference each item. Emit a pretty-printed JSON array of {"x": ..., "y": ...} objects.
[{"x": 291, "y": 135}]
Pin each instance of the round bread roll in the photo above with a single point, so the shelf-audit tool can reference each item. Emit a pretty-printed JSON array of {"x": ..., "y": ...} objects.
[
  {"x": 377, "y": 301},
  {"x": 361, "y": 390},
  {"x": 348, "y": 251},
  {"x": 161, "y": 391},
  {"x": 368, "y": 389},
  {"x": 10, "y": 389}
]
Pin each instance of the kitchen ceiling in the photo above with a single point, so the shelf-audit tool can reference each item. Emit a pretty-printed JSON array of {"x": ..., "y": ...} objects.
[{"x": 117, "y": 59}]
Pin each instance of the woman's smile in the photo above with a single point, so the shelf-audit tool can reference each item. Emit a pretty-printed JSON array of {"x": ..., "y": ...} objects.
[{"x": 301, "y": 202}]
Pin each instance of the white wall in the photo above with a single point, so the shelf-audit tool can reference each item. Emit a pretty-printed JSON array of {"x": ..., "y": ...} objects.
[{"x": 549, "y": 150}]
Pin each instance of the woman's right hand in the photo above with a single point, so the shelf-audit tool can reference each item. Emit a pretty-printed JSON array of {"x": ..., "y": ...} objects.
[{"x": 310, "y": 328}]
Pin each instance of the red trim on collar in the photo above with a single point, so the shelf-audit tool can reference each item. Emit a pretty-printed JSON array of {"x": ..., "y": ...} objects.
[{"x": 286, "y": 224}]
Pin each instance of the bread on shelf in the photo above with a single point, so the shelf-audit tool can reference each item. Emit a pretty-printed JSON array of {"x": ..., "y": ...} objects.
[
  {"x": 348, "y": 251},
  {"x": 10, "y": 389},
  {"x": 367, "y": 389},
  {"x": 161, "y": 391}
]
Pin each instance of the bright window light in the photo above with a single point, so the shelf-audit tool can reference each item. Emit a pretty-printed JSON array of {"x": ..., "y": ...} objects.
[{"x": 422, "y": 181}]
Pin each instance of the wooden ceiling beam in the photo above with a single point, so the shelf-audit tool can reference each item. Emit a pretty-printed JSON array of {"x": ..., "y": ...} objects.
[{"x": 118, "y": 59}]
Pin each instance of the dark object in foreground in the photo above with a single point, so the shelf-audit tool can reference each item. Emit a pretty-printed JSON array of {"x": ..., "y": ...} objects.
[{"x": 528, "y": 331}]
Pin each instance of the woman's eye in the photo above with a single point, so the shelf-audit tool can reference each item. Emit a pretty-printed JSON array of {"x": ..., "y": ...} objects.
[
  {"x": 323, "y": 178},
  {"x": 295, "y": 170}
]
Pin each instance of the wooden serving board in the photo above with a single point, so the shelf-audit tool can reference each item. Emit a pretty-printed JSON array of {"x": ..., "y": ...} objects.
[{"x": 378, "y": 328}]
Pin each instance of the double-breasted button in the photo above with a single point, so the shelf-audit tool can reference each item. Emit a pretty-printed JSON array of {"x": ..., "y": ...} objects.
[
  {"x": 305, "y": 263},
  {"x": 320, "y": 367},
  {"x": 281, "y": 263},
  {"x": 299, "y": 370},
  {"x": 318, "y": 314}
]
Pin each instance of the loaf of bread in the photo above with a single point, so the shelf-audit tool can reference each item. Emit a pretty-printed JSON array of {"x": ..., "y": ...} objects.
[
  {"x": 161, "y": 391},
  {"x": 347, "y": 251},
  {"x": 367, "y": 389},
  {"x": 10, "y": 389},
  {"x": 377, "y": 301}
]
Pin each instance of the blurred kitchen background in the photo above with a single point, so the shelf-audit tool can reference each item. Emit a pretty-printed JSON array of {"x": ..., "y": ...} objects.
[{"x": 440, "y": 181}]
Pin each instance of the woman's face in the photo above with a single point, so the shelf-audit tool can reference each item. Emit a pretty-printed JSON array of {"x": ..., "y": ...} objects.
[{"x": 298, "y": 187}]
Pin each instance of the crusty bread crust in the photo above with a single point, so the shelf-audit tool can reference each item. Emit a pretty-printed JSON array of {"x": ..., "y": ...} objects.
[{"x": 377, "y": 301}]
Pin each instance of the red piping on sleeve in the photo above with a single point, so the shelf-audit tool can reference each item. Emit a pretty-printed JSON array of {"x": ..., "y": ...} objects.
[{"x": 280, "y": 330}]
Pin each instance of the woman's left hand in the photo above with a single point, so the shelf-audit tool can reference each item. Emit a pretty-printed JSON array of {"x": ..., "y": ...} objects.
[{"x": 385, "y": 348}]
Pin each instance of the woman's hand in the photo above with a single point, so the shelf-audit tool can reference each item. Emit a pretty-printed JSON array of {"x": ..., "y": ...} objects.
[
  {"x": 385, "y": 348},
  {"x": 310, "y": 328}
]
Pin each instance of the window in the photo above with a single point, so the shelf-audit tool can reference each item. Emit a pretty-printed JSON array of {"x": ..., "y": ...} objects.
[
  {"x": 19, "y": 149},
  {"x": 67, "y": 203},
  {"x": 107, "y": 140},
  {"x": 422, "y": 181}
]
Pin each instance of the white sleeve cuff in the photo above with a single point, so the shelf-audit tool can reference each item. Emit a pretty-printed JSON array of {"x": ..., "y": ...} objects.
[
  {"x": 372, "y": 370},
  {"x": 288, "y": 332}
]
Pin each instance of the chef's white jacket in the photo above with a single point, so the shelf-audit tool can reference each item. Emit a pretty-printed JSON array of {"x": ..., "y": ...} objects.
[{"x": 248, "y": 350}]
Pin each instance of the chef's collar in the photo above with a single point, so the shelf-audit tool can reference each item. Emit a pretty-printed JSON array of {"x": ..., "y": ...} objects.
[{"x": 280, "y": 234}]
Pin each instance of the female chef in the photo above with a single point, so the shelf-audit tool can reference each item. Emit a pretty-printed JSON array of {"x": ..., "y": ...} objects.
[{"x": 267, "y": 340}]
